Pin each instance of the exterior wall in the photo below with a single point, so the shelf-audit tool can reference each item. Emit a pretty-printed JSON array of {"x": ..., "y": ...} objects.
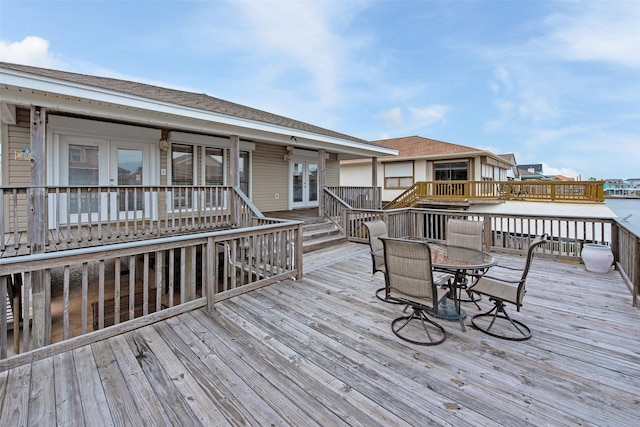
[
  {"x": 270, "y": 177},
  {"x": 332, "y": 171},
  {"x": 359, "y": 174},
  {"x": 18, "y": 172},
  {"x": 422, "y": 170}
]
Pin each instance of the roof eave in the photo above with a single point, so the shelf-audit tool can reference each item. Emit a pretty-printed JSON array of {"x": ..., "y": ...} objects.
[{"x": 280, "y": 134}]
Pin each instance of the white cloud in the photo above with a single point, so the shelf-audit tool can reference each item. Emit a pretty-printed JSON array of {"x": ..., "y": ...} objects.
[
  {"x": 303, "y": 46},
  {"x": 604, "y": 31},
  {"x": 30, "y": 51},
  {"x": 429, "y": 115},
  {"x": 392, "y": 116},
  {"x": 413, "y": 120}
]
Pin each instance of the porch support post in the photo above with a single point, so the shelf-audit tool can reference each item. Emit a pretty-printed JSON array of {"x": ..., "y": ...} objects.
[
  {"x": 36, "y": 230},
  {"x": 234, "y": 175},
  {"x": 322, "y": 179},
  {"x": 374, "y": 182}
]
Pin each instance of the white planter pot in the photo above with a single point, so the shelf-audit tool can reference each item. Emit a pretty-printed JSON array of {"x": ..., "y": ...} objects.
[{"x": 597, "y": 258}]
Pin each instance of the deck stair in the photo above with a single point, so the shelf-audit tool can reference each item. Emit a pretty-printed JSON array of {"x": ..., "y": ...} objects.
[{"x": 320, "y": 233}]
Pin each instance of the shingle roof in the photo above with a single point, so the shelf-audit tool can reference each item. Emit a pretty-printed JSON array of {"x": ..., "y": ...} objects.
[
  {"x": 418, "y": 146},
  {"x": 182, "y": 98}
]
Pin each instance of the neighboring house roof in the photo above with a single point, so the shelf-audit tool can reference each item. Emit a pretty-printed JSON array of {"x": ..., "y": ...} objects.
[
  {"x": 199, "y": 101},
  {"x": 418, "y": 147}
]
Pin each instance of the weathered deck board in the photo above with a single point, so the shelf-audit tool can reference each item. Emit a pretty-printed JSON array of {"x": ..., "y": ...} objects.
[{"x": 320, "y": 352}]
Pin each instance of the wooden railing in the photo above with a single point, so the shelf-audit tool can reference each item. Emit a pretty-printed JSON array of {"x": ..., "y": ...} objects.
[
  {"x": 557, "y": 191},
  {"x": 626, "y": 249},
  {"x": 358, "y": 197},
  {"x": 115, "y": 214},
  {"x": 337, "y": 200},
  {"x": 130, "y": 284},
  {"x": 510, "y": 233}
]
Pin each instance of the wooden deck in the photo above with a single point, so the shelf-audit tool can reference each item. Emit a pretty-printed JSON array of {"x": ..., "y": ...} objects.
[{"x": 320, "y": 352}]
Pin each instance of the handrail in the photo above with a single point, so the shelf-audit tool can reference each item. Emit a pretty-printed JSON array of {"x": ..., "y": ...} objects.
[
  {"x": 112, "y": 214},
  {"x": 334, "y": 207},
  {"x": 559, "y": 191}
]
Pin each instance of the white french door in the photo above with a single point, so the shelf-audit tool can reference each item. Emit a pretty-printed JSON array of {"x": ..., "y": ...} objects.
[
  {"x": 304, "y": 183},
  {"x": 87, "y": 161}
]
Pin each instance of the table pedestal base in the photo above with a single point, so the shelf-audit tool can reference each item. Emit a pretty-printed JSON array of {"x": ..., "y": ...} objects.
[{"x": 447, "y": 311}]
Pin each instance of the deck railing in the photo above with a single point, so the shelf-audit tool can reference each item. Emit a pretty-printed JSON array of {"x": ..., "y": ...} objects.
[
  {"x": 510, "y": 233},
  {"x": 102, "y": 215},
  {"x": 556, "y": 191},
  {"x": 359, "y": 197},
  {"x": 134, "y": 283}
]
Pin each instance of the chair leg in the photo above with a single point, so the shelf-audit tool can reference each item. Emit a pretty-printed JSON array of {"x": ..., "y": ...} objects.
[
  {"x": 498, "y": 312},
  {"x": 427, "y": 323},
  {"x": 473, "y": 297}
]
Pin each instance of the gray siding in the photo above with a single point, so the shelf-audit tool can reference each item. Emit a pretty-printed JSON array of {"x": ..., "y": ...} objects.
[{"x": 270, "y": 176}]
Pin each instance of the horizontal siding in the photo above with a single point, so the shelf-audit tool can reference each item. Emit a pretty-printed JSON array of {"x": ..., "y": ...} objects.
[
  {"x": 19, "y": 170},
  {"x": 332, "y": 171},
  {"x": 270, "y": 176}
]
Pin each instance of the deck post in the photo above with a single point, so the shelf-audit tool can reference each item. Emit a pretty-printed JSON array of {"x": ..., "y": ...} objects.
[
  {"x": 377, "y": 204},
  {"x": 234, "y": 175},
  {"x": 322, "y": 179},
  {"x": 36, "y": 226}
]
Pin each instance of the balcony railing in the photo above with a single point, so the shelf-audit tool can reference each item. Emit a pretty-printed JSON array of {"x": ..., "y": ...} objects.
[
  {"x": 117, "y": 287},
  {"x": 559, "y": 191},
  {"x": 95, "y": 215}
]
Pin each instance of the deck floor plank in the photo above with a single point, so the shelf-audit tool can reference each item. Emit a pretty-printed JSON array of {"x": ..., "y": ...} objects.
[
  {"x": 42, "y": 404},
  {"x": 117, "y": 396},
  {"x": 320, "y": 351},
  {"x": 69, "y": 409},
  {"x": 143, "y": 395}
]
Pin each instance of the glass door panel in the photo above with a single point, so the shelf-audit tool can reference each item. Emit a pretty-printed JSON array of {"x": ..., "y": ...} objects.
[
  {"x": 312, "y": 182},
  {"x": 130, "y": 172},
  {"x": 84, "y": 169},
  {"x": 298, "y": 182}
]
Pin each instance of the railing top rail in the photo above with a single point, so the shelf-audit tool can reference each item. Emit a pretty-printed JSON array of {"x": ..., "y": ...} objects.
[{"x": 338, "y": 199}]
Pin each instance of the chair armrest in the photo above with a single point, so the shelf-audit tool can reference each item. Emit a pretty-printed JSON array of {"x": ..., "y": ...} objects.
[{"x": 499, "y": 279}]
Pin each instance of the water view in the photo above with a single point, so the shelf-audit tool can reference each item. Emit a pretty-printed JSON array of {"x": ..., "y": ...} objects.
[{"x": 629, "y": 209}]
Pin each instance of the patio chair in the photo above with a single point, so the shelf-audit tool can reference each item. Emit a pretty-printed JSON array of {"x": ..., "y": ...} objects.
[
  {"x": 501, "y": 291},
  {"x": 409, "y": 279},
  {"x": 377, "y": 229},
  {"x": 467, "y": 234}
]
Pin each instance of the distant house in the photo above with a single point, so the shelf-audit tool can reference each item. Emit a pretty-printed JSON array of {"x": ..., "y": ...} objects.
[
  {"x": 424, "y": 159},
  {"x": 532, "y": 171},
  {"x": 513, "y": 173}
]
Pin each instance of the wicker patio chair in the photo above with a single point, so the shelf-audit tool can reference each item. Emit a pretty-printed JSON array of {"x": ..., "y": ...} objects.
[
  {"x": 409, "y": 279},
  {"x": 501, "y": 291},
  {"x": 467, "y": 234},
  {"x": 377, "y": 229}
]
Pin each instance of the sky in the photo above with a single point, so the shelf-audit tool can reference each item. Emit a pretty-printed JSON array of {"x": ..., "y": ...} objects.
[{"x": 553, "y": 82}]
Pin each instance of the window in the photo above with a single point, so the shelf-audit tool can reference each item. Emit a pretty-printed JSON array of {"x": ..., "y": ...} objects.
[
  {"x": 181, "y": 174},
  {"x": 214, "y": 166},
  {"x": 453, "y": 171},
  {"x": 213, "y": 175},
  {"x": 398, "y": 175}
]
